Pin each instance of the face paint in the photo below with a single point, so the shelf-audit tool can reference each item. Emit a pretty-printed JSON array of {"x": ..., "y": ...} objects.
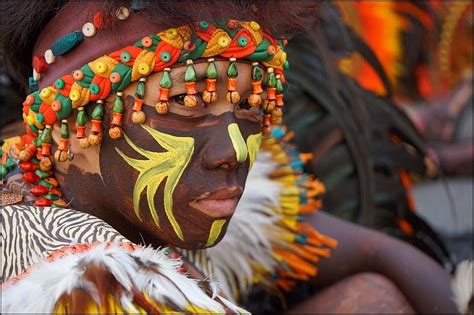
[
  {"x": 156, "y": 168},
  {"x": 253, "y": 144},
  {"x": 238, "y": 142},
  {"x": 215, "y": 231}
]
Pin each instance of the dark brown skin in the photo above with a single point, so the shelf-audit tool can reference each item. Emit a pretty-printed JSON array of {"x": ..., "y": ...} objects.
[
  {"x": 422, "y": 281},
  {"x": 213, "y": 165}
]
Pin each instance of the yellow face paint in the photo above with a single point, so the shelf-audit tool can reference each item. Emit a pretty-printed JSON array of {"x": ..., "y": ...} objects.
[
  {"x": 238, "y": 142},
  {"x": 253, "y": 144},
  {"x": 215, "y": 231},
  {"x": 157, "y": 167}
]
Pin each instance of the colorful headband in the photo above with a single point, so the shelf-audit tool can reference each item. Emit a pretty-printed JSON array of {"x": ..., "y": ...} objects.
[{"x": 112, "y": 73}]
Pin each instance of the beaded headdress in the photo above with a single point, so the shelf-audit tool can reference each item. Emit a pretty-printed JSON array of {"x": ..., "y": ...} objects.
[{"x": 112, "y": 73}]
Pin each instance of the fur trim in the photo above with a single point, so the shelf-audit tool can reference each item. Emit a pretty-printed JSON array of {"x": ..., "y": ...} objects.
[
  {"x": 142, "y": 279},
  {"x": 462, "y": 286}
]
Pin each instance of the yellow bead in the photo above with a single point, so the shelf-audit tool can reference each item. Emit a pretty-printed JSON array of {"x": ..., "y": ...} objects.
[
  {"x": 172, "y": 33},
  {"x": 74, "y": 96},
  {"x": 30, "y": 120},
  {"x": 254, "y": 26},
  {"x": 101, "y": 67},
  {"x": 143, "y": 68},
  {"x": 45, "y": 92},
  {"x": 283, "y": 57},
  {"x": 223, "y": 41}
]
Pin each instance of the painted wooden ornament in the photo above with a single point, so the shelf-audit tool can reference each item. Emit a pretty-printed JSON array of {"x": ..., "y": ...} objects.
[
  {"x": 190, "y": 78},
  {"x": 232, "y": 95},
  {"x": 210, "y": 95},
  {"x": 67, "y": 43}
]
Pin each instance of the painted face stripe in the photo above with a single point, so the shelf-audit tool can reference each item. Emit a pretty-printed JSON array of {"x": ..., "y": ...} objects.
[
  {"x": 158, "y": 166},
  {"x": 238, "y": 142},
  {"x": 253, "y": 145},
  {"x": 216, "y": 229}
]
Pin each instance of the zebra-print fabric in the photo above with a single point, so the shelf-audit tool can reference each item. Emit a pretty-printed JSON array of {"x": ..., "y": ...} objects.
[{"x": 31, "y": 233}]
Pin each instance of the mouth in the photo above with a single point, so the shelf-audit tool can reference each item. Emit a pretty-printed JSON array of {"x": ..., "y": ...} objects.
[{"x": 218, "y": 204}]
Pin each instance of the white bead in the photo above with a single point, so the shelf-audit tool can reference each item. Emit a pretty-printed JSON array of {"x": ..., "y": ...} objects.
[
  {"x": 36, "y": 75},
  {"x": 49, "y": 56},
  {"x": 122, "y": 13},
  {"x": 89, "y": 29}
]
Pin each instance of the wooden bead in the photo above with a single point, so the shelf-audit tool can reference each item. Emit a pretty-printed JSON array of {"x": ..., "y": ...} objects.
[
  {"x": 190, "y": 101},
  {"x": 27, "y": 166},
  {"x": 84, "y": 143},
  {"x": 95, "y": 138},
  {"x": 46, "y": 163},
  {"x": 268, "y": 105},
  {"x": 161, "y": 108},
  {"x": 25, "y": 155},
  {"x": 89, "y": 29},
  {"x": 255, "y": 100},
  {"x": 115, "y": 132},
  {"x": 61, "y": 156},
  {"x": 233, "y": 97},
  {"x": 209, "y": 97},
  {"x": 138, "y": 117}
]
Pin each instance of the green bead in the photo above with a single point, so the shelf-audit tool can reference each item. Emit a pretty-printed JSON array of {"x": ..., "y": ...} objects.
[
  {"x": 98, "y": 112},
  {"x": 81, "y": 118},
  {"x": 60, "y": 84},
  {"x": 40, "y": 118},
  {"x": 257, "y": 73},
  {"x": 203, "y": 25},
  {"x": 67, "y": 43},
  {"x": 271, "y": 80},
  {"x": 42, "y": 174},
  {"x": 3, "y": 171},
  {"x": 165, "y": 56},
  {"x": 46, "y": 184},
  {"x": 64, "y": 131},
  {"x": 190, "y": 74},
  {"x": 165, "y": 81},
  {"x": 56, "y": 205},
  {"x": 279, "y": 86},
  {"x": 211, "y": 72},
  {"x": 118, "y": 105},
  {"x": 140, "y": 92},
  {"x": 232, "y": 71},
  {"x": 51, "y": 196},
  {"x": 125, "y": 56},
  {"x": 286, "y": 65},
  {"x": 242, "y": 41},
  {"x": 46, "y": 136},
  {"x": 94, "y": 88},
  {"x": 66, "y": 107},
  {"x": 10, "y": 163}
]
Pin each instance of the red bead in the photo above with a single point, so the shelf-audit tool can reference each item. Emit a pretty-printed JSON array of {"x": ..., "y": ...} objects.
[
  {"x": 39, "y": 190},
  {"x": 30, "y": 178},
  {"x": 27, "y": 167},
  {"x": 43, "y": 202},
  {"x": 99, "y": 21},
  {"x": 39, "y": 64}
]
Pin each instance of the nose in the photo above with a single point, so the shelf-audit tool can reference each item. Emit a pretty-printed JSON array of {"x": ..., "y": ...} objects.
[{"x": 226, "y": 149}]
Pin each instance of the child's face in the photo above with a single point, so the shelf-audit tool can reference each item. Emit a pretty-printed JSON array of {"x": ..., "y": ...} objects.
[{"x": 178, "y": 176}]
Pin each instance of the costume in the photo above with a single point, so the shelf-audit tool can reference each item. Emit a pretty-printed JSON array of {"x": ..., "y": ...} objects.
[{"x": 71, "y": 261}]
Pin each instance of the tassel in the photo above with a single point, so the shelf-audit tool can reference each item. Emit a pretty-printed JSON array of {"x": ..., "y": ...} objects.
[
  {"x": 61, "y": 154},
  {"x": 162, "y": 106},
  {"x": 232, "y": 95},
  {"x": 95, "y": 137},
  {"x": 46, "y": 138},
  {"x": 81, "y": 121},
  {"x": 255, "y": 99},
  {"x": 115, "y": 132},
  {"x": 138, "y": 116},
  {"x": 210, "y": 95},
  {"x": 190, "y": 100}
]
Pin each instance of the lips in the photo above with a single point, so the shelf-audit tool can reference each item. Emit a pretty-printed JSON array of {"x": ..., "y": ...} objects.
[{"x": 218, "y": 204}]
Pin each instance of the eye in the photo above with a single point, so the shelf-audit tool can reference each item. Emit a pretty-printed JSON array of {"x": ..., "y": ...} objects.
[
  {"x": 244, "y": 104},
  {"x": 179, "y": 98}
]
